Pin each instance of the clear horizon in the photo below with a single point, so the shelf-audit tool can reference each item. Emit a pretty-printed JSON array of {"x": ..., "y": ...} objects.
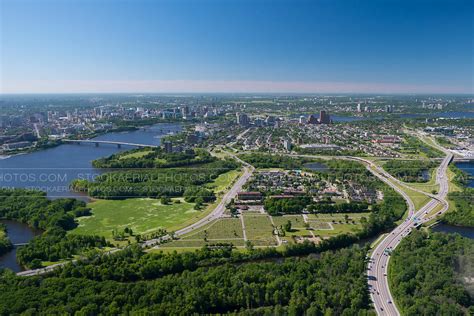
[{"x": 242, "y": 46}]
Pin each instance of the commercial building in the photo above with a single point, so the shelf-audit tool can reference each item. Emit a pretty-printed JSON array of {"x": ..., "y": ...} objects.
[
  {"x": 324, "y": 118},
  {"x": 242, "y": 119}
]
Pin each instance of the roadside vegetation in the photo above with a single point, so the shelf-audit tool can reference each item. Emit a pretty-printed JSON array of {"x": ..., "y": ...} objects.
[
  {"x": 462, "y": 213},
  {"x": 418, "y": 171},
  {"x": 413, "y": 146},
  {"x": 430, "y": 274}
]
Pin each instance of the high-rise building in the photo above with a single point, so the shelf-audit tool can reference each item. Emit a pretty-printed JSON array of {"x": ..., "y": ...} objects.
[
  {"x": 359, "y": 108},
  {"x": 324, "y": 118},
  {"x": 242, "y": 119},
  {"x": 185, "y": 111},
  {"x": 270, "y": 120},
  {"x": 287, "y": 144},
  {"x": 312, "y": 119}
]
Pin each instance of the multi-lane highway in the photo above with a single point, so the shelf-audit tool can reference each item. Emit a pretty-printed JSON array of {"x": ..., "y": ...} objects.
[{"x": 380, "y": 257}]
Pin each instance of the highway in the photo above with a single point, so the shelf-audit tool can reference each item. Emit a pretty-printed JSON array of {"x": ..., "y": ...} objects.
[{"x": 378, "y": 264}]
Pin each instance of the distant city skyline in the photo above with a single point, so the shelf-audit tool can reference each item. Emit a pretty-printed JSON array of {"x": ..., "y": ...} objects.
[{"x": 242, "y": 46}]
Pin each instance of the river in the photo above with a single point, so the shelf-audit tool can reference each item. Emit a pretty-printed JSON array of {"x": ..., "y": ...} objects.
[
  {"x": 467, "y": 167},
  {"x": 52, "y": 170},
  {"x": 467, "y": 232},
  {"x": 18, "y": 233}
]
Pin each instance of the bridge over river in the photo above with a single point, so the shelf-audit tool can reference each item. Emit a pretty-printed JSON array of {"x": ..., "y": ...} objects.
[{"x": 108, "y": 142}]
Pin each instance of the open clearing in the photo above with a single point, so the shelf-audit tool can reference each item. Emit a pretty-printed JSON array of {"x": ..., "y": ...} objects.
[
  {"x": 137, "y": 154},
  {"x": 223, "y": 181},
  {"x": 146, "y": 215},
  {"x": 259, "y": 230},
  {"x": 225, "y": 228},
  {"x": 141, "y": 215}
]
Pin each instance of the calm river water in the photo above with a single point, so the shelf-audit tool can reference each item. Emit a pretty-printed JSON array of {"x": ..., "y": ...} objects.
[{"x": 52, "y": 171}]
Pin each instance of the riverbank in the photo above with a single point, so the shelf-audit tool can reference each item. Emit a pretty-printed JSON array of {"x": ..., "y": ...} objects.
[
  {"x": 52, "y": 170},
  {"x": 18, "y": 233}
]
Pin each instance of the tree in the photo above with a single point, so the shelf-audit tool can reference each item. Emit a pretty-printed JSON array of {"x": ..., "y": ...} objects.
[
  {"x": 288, "y": 226},
  {"x": 248, "y": 245}
]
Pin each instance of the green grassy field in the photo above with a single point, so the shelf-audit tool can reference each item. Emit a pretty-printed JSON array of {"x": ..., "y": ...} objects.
[
  {"x": 137, "y": 154},
  {"x": 223, "y": 182},
  {"x": 328, "y": 225},
  {"x": 296, "y": 220},
  {"x": 259, "y": 230},
  {"x": 225, "y": 228},
  {"x": 141, "y": 215}
]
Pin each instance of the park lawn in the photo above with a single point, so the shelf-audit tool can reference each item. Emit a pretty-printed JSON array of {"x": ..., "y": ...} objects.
[
  {"x": 259, "y": 230},
  {"x": 338, "y": 229},
  {"x": 137, "y": 154},
  {"x": 329, "y": 217},
  {"x": 141, "y": 215},
  {"x": 297, "y": 221},
  {"x": 224, "y": 228}
]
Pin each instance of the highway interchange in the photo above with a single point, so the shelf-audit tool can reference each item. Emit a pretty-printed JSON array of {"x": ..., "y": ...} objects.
[{"x": 377, "y": 268}]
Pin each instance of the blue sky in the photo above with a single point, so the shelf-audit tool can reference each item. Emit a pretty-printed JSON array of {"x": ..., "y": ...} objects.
[{"x": 236, "y": 46}]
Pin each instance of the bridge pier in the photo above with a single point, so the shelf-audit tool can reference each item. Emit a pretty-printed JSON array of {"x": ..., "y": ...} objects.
[
  {"x": 119, "y": 145},
  {"x": 96, "y": 144}
]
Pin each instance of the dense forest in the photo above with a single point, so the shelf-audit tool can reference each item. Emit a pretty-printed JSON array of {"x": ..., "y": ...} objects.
[
  {"x": 5, "y": 244},
  {"x": 55, "y": 218},
  {"x": 463, "y": 214},
  {"x": 334, "y": 284},
  {"x": 410, "y": 170},
  {"x": 427, "y": 272}
]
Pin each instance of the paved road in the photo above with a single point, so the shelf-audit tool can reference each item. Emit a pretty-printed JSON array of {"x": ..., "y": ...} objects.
[
  {"x": 216, "y": 213},
  {"x": 377, "y": 267},
  {"x": 219, "y": 209}
]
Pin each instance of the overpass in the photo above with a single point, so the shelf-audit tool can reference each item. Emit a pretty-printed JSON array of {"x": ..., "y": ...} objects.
[{"x": 105, "y": 142}]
